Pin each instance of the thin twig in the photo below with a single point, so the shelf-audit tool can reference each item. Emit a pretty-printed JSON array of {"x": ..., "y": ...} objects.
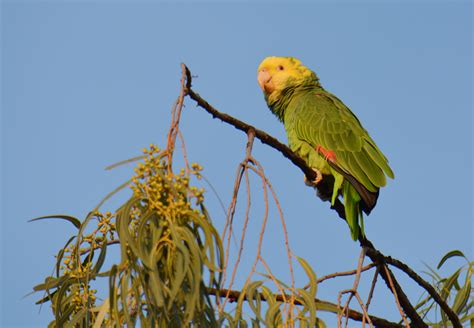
[
  {"x": 262, "y": 230},
  {"x": 292, "y": 299},
  {"x": 185, "y": 154},
  {"x": 175, "y": 117},
  {"x": 407, "y": 325},
  {"x": 110, "y": 242},
  {"x": 371, "y": 292},
  {"x": 251, "y": 137},
  {"x": 229, "y": 219},
  {"x": 364, "y": 309},
  {"x": 353, "y": 292},
  {"x": 242, "y": 237},
  {"x": 282, "y": 220},
  {"x": 345, "y": 273},
  {"x": 372, "y": 288}
]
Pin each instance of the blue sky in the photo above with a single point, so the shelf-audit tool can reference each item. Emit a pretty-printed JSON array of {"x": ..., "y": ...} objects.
[{"x": 86, "y": 84}]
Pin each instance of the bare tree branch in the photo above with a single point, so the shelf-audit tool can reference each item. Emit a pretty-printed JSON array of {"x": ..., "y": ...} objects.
[{"x": 354, "y": 315}]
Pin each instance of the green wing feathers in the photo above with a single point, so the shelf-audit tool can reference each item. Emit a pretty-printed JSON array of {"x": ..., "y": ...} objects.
[{"x": 319, "y": 119}]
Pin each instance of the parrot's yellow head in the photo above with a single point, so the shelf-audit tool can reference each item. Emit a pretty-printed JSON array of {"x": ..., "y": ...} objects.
[{"x": 278, "y": 73}]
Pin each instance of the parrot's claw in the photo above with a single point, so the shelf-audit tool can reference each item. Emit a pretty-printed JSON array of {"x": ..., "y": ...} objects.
[{"x": 315, "y": 182}]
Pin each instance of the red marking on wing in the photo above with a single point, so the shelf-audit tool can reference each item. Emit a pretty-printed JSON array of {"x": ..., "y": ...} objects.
[{"x": 329, "y": 155}]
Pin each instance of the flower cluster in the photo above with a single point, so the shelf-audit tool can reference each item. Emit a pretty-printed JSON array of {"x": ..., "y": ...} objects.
[
  {"x": 167, "y": 194},
  {"x": 82, "y": 296},
  {"x": 72, "y": 263}
]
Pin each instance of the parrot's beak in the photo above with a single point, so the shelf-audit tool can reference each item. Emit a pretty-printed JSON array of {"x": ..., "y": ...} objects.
[{"x": 265, "y": 81}]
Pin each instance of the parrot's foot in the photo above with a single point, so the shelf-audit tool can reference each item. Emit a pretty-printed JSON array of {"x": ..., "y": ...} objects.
[{"x": 319, "y": 177}]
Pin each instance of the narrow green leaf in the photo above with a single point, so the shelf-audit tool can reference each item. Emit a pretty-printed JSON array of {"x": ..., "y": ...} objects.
[
  {"x": 64, "y": 317},
  {"x": 50, "y": 283},
  {"x": 101, "y": 315},
  {"x": 255, "y": 323},
  {"x": 311, "y": 275},
  {"x": 422, "y": 302},
  {"x": 238, "y": 309},
  {"x": 268, "y": 295},
  {"x": 113, "y": 307},
  {"x": 446, "y": 291},
  {"x": 448, "y": 284},
  {"x": 60, "y": 255},
  {"x": 113, "y": 192},
  {"x": 326, "y": 307},
  {"x": 76, "y": 319},
  {"x": 320, "y": 323},
  {"x": 253, "y": 298},
  {"x": 462, "y": 296},
  {"x": 124, "y": 298},
  {"x": 63, "y": 308},
  {"x": 273, "y": 315},
  {"x": 467, "y": 318},
  {"x": 101, "y": 259},
  {"x": 309, "y": 305},
  {"x": 449, "y": 255},
  {"x": 75, "y": 221},
  {"x": 126, "y": 161},
  {"x": 269, "y": 277},
  {"x": 46, "y": 298}
]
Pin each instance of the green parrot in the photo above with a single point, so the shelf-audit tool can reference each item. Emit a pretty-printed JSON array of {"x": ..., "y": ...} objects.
[{"x": 327, "y": 135}]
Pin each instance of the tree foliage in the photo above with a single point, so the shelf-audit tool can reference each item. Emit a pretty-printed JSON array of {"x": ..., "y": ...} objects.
[
  {"x": 456, "y": 289},
  {"x": 171, "y": 254}
]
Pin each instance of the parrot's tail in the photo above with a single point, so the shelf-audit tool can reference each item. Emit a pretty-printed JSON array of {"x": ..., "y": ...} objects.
[
  {"x": 369, "y": 198},
  {"x": 353, "y": 210}
]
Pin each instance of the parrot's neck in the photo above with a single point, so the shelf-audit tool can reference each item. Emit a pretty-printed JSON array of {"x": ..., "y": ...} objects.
[{"x": 278, "y": 101}]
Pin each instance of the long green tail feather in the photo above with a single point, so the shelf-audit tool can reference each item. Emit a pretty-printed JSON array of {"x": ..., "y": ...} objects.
[{"x": 352, "y": 210}]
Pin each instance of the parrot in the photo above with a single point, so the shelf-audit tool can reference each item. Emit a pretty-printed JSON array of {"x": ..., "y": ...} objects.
[{"x": 323, "y": 131}]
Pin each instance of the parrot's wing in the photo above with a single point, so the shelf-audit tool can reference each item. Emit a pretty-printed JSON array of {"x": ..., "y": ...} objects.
[{"x": 323, "y": 121}]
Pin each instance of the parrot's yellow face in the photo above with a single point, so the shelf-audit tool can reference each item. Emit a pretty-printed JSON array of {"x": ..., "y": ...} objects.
[{"x": 276, "y": 73}]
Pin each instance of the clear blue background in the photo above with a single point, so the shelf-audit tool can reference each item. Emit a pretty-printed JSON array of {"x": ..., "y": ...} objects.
[{"x": 87, "y": 84}]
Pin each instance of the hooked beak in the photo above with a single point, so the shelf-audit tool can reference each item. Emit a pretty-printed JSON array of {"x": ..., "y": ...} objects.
[{"x": 265, "y": 81}]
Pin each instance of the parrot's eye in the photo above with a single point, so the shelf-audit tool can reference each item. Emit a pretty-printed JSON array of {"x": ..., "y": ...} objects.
[{"x": 280, "y": 67}]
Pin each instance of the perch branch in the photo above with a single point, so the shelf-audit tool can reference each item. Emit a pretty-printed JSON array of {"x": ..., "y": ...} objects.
[
  {"x": 372, "y": 252},
  {"x": 393, "y": 285},
  {"x": 354, "y": 315}
]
